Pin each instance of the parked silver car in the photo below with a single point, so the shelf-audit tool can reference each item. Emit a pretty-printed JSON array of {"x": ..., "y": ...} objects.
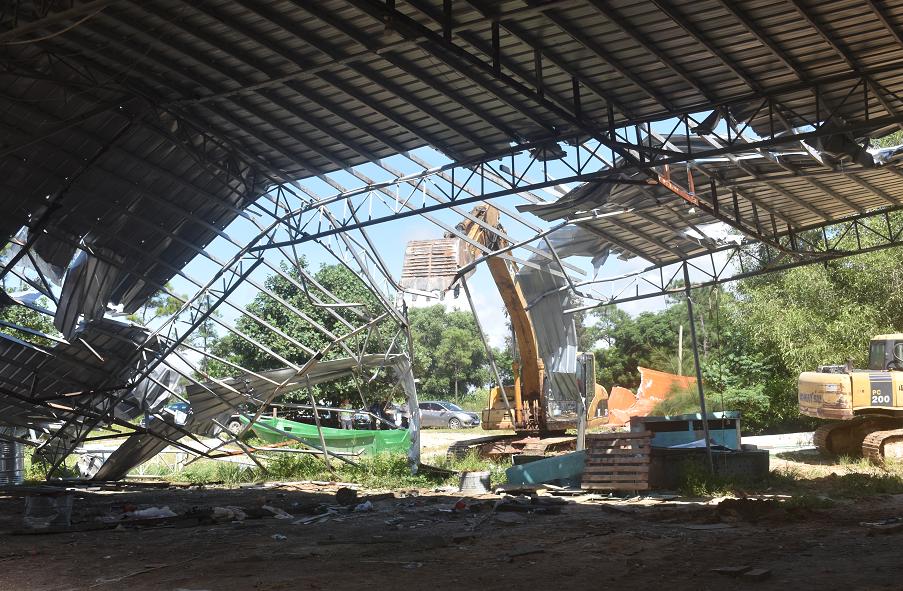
[{"x": 440, "y": 413}]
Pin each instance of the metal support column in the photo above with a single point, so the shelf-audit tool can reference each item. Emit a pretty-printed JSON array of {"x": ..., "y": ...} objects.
[{"x": 705, "y": 416}]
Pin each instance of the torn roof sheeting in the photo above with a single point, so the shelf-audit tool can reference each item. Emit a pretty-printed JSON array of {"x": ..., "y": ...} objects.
[
  {"x": 103, "y": 356},
  {"x": 654, "y": 223},
  {"x": 208, "y": 399},
  {"x": 784, "y": 188},
  {"x": 165, "y": 118},
  {"x": 213, "y": 402},
  {"x": 556, "y": 334}
]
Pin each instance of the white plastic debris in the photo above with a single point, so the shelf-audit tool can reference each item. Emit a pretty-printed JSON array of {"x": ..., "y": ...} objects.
[
  {"x": 364, "y": 507},
  {"x": 229, "y": 513},
  {"x": 151, "y": 513}
]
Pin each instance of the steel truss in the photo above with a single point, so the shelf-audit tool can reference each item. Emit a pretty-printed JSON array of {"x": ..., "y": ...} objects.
[
  {"x": 608, "y": 156},
  {"x": 814, "y": 244}
]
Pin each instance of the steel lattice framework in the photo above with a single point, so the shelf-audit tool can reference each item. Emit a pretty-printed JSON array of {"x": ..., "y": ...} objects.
[{"x": 137, "y": 135}]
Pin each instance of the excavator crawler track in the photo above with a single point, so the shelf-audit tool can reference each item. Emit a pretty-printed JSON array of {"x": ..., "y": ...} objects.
[
  {"x": 847, "y": 438},
  {"x": 461, "y": 449},
  {"x": 881, "y": 445},
  {"x": 822, "y": 436},
  {"x": 838, "y": 438}
]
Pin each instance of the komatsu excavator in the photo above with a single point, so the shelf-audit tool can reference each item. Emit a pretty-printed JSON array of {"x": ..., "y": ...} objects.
[
  {"x": 866, "y": 404},
  {"x": 523, "y": 405}
]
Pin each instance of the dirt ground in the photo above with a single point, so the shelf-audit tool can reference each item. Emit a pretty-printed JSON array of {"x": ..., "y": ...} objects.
[{"x": 414, "y": 538}]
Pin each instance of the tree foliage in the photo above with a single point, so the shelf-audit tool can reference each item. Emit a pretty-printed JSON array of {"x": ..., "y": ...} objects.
[
  {"x": 736, "y": 375},
  {"x": 449, "y": 357},
  {"x": 284, "y": 324}
]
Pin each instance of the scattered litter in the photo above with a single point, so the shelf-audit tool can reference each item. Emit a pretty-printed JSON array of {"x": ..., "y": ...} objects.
[
  {"x": 229, "y": 513},
  {"x": 364, "y": 507},
  {"x": 277, "y": 512},
  {"x": 314, "y": 518},
  {"x": 151, "y": 513},
  {"x": 279, "y": 537},
  {"x": 663, "y": 497},
  {"x": 534, "y": 504}
]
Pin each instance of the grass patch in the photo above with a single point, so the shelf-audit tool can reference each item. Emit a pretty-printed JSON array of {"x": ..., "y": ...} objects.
[
  {"x": 36, "y": 470},
  {"x": 855, "y": 478},
  {"x": 697, "y": 481},
  {"x": 384, "y": 471}
]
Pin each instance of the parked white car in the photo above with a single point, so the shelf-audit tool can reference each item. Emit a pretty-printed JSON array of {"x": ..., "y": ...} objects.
[{"x": 441, "y": 413}]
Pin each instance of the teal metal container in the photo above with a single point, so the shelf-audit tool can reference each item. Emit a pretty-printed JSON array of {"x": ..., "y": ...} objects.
[{"x": 564, "y": 470}]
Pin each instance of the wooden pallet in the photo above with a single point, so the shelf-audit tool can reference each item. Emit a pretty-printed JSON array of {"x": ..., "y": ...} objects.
[{"x": 617, "y": 461}]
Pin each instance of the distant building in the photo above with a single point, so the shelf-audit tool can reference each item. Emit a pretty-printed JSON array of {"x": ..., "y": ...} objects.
[
  {"x": 453, "y": 299},
  {"x": 430, "y": 267}
]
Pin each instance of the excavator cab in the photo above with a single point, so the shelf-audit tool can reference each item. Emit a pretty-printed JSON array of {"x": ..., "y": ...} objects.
[{"x": 886, "y": 353}]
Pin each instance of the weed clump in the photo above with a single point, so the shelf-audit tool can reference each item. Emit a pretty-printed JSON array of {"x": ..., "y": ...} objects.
[{"x": 383, "y": 471}]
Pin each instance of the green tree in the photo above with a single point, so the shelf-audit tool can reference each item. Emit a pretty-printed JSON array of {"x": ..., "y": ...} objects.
[
  {"x": 28, "y": 318},
  {"x": 891, "y": 139},
  {"x": 160, "y": 305},
  {"x": 205, "y": 336},
  {"x": 449, "y": 357},
  {"x": 298, "y": 333}
]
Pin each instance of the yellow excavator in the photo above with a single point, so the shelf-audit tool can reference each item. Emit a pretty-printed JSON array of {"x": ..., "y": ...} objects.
[
  {"x": 521, "y": 406},
  {"x": 866, "y": 405}
]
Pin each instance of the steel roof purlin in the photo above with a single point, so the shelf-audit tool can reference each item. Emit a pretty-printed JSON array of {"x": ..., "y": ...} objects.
[{"x": 134, "y": 132}]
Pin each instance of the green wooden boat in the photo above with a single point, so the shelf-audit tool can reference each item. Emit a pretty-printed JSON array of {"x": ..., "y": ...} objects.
[{"x": 353, "y": 441}]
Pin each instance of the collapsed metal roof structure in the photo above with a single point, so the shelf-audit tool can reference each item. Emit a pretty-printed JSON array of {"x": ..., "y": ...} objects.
[{"x": 135, "y": 133}]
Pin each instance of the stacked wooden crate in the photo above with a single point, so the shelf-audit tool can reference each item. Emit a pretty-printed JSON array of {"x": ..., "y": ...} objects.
[{"x": 617, "y": 461}]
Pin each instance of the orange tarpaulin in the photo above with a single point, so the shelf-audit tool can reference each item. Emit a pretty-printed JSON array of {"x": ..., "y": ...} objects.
[{"x": 655, "y": 386}]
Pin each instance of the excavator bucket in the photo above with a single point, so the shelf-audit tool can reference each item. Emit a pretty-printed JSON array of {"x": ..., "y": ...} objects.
[
  {"x": 655, "y": 386},
  {"x": 431, "y": 266}
]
